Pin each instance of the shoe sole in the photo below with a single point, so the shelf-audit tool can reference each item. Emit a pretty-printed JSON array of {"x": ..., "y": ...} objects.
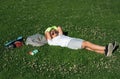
[{"x": 110, "y": 49}]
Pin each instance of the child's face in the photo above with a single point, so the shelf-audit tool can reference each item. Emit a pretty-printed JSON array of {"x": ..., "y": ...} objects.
[{"x": 53, "y": 33}]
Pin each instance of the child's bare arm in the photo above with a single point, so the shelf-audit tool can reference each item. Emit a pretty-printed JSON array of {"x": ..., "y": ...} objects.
[
  {"x": 47, "y": 35},
  {"x": 60, "y": 30}
]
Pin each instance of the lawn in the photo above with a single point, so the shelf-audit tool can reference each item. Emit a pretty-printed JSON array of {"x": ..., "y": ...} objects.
[{"x": 97, "y": 21}]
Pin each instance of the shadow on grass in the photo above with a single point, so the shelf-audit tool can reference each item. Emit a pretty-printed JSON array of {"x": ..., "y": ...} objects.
[
  {"x": 116, "y": 48},
  {"x": 65, "y": 33}
]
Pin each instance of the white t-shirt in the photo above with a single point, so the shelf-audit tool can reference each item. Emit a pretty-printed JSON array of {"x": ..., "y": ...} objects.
[{"x": 60, "y": 40}]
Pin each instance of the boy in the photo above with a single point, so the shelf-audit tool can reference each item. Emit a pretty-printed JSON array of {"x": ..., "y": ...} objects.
[{"x": 55, "y": 36}]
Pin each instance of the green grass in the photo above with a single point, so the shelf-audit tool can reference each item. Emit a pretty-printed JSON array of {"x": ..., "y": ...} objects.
[{"x": 97, "y": 21}]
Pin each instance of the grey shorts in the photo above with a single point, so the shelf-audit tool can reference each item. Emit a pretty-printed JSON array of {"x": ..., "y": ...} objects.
[{"x": 75, "y": 43}]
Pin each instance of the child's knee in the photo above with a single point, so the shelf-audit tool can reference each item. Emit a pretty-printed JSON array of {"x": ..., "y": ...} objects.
[{"x": 84, "y": 44}]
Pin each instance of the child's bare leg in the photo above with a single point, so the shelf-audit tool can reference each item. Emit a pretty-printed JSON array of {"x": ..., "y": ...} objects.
[
  {"x": 98, "y": 51},
  {"x": 93, "y": 47}
]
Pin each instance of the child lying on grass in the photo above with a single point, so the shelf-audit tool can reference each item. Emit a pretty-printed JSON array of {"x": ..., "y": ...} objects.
[{"x": 55, "y": 36}]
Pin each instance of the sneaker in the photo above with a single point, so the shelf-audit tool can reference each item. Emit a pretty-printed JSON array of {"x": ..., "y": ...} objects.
[
  {"x": 110, "y": 49},
  {"x": 115, "y": 46}
]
